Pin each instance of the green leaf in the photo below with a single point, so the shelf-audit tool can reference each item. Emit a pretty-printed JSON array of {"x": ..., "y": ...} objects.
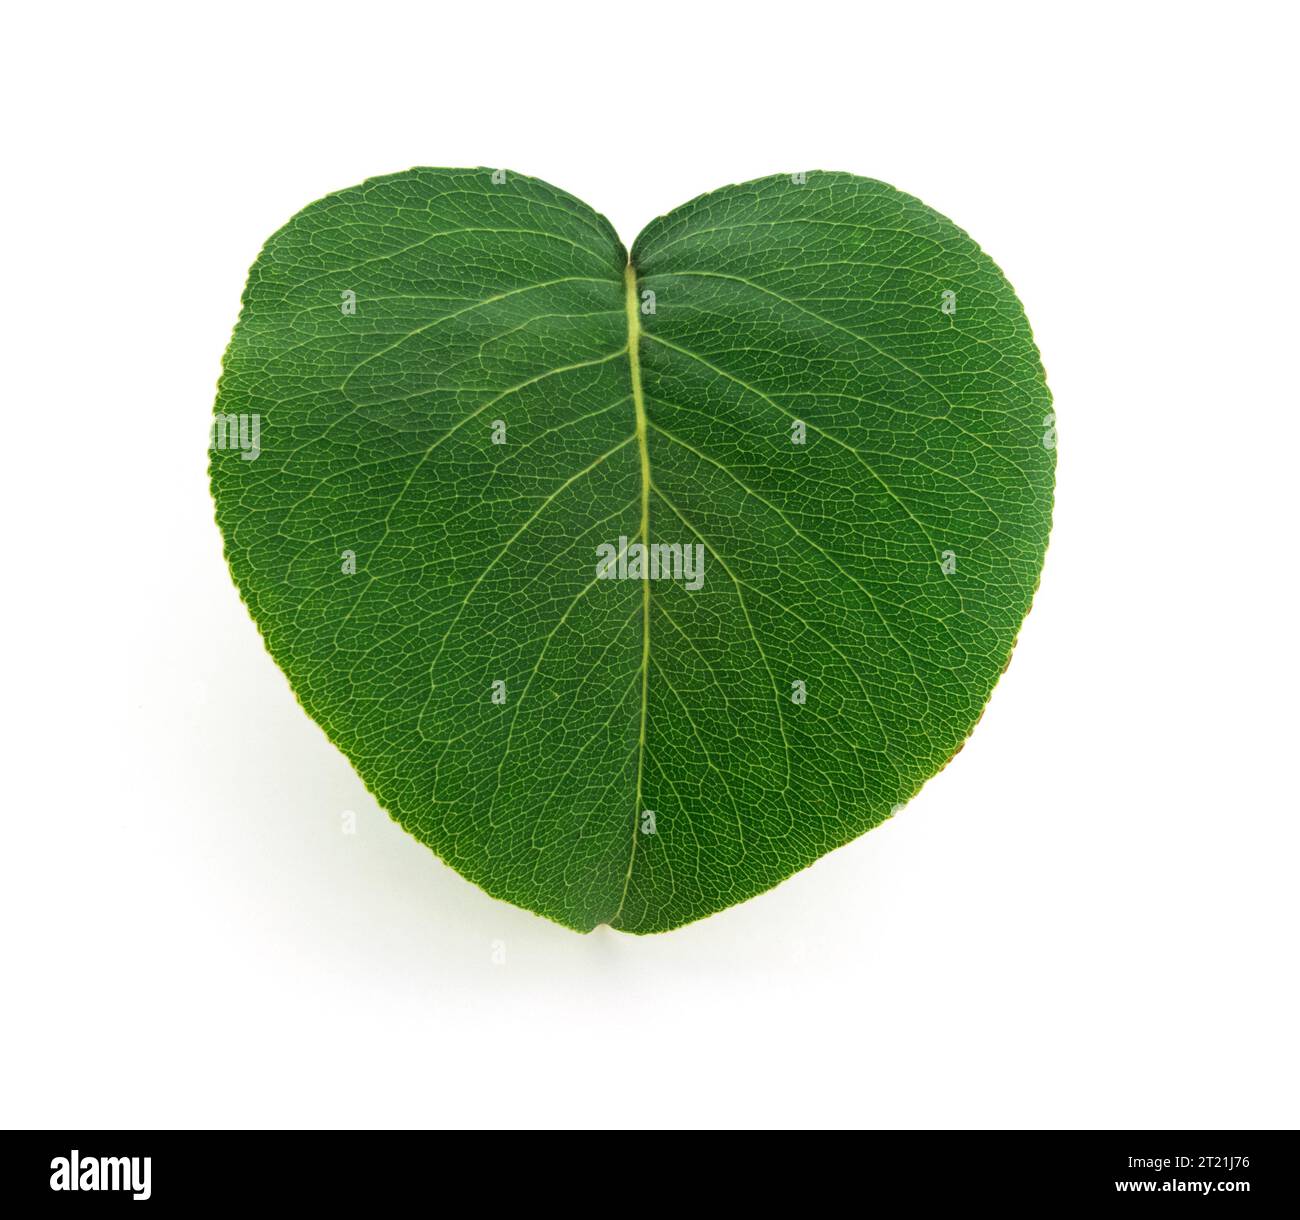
[{"x": 449, "y": 390}]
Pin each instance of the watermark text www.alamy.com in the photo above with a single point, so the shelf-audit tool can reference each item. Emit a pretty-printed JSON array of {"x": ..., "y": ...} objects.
[
  {"x": 124, "y": 1173},
  {"x": 658, "y": 561}
]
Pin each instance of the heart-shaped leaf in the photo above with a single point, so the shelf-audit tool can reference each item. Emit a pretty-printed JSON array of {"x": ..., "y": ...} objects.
[{"x": 632, "y": 586}]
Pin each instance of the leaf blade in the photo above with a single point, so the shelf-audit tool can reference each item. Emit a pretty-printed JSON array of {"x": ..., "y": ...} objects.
[{"x": 511, "y": 301}]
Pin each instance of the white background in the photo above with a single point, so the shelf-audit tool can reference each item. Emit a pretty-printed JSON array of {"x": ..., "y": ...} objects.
[{"x": 1089, "y": 919}]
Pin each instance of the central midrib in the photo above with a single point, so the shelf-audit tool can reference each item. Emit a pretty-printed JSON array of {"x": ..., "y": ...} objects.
[{"x": 638, "y": 402}]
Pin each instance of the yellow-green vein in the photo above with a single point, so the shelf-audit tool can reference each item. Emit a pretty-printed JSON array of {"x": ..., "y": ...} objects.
[{"x": 642, "y": 440}]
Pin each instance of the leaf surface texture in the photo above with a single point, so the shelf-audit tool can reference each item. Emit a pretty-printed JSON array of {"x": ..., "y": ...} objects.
[{"x": 881, "y": 568}]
